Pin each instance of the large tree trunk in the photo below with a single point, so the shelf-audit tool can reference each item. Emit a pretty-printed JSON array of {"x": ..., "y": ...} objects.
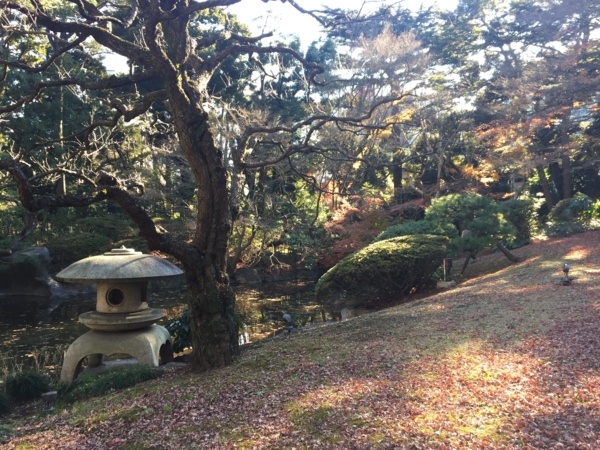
[
  {"x": 545, "y": 187},
  {"x": 567, "y": 177},
  {"x": 397, "y": 178},
  {"x": 211, "y": 299},
  {"x": 212, "y": 304},
  {"x": 556, "y": 175}
]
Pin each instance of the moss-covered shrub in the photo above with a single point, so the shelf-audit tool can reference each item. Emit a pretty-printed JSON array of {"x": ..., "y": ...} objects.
[
  {"x": 381, "y": 273},
  {"x": 70, "y": 248},
  {"x": 25, "y": 386}
]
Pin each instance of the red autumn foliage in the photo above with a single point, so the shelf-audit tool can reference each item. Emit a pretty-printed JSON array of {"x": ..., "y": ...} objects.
[{"x": 357, "y": 221}]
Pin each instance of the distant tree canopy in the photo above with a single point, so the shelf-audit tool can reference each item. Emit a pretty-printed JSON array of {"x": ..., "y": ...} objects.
[
  {"x": 219, "y": 145},
  {"x": 207, "y": 118}
]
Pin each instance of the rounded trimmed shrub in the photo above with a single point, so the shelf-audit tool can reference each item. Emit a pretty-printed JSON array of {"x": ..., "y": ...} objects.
[
  {"x": 25, "y": 386},
  {"x": 381, "y": 273},
  {"x": 112, "y": 227}
]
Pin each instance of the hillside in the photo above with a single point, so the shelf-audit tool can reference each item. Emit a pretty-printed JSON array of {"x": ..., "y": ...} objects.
[{"x": 508, "y": 359}]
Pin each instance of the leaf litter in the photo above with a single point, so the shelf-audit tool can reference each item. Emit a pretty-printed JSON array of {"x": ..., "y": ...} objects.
[{"x": 509, "y": 359}]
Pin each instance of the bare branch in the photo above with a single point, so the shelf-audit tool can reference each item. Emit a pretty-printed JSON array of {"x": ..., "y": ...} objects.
[
  {"x": 199, "y": 6},
  {"x": 316, "y": 122},
  {"x": 112, "y": 82},
  {"x": 73, "y": 173},
  {"x": 235, "y": 49},
  {"x": 102, "y": 35}
]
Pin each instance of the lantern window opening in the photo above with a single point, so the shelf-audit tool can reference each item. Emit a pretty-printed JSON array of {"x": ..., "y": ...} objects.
[{"x": 115, "y": 297}]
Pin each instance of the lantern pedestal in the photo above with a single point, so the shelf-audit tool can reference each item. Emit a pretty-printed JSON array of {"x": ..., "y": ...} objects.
[{"x": 150, "y": 346}]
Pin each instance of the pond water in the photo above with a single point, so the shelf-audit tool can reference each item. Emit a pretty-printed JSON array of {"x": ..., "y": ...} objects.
[{"x": 33, "y": 326}]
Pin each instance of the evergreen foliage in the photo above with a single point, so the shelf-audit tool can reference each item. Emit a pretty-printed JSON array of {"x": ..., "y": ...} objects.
[
  {"x": 476, "y": 218},
  {"x": 181, "y": 331},
  {"x": 4, "y": 405},
  {"x": 573, "y": 215},
  {"x": 521, "y": 214},
  {"x": 418, "y": 227},
  {"x": 25, "y": 386},
  {"x": 70, "y": 248},
  {"x": 580, "y": 207}
]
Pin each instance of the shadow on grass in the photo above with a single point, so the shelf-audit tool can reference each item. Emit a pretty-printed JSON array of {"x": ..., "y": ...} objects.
[{"x": 506, "y": 361}]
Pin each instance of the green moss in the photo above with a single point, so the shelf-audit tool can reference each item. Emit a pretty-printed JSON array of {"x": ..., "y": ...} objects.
[{"x": 383, "y": 272}]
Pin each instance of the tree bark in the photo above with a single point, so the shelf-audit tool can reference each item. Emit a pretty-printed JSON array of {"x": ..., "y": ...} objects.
[
  {"x": 545, "y": 187},
  {"x": 212, "y": 301},
  {"x": 397, "y": 179},
  {"x": 470, "y": 255},
  {"x": 507, "y": 252},
  {"x": 556, "y": 175},
  {"x": 567, "y": 177}
]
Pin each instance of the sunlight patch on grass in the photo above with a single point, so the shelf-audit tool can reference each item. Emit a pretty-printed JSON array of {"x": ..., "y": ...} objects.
[
  {"x": 486, "y": 428},
  {"x": 578, "y": 253}
]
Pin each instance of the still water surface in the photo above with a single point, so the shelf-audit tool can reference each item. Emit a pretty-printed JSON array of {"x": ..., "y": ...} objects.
[{"x": 29, "y": 324}]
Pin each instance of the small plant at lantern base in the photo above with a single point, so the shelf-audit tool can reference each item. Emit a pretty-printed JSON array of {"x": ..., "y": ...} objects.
[{"x": 181, "y": 331}]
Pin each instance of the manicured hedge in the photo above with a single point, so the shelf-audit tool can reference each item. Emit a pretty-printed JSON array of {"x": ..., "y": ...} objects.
[{"x": 382, "y": 272}]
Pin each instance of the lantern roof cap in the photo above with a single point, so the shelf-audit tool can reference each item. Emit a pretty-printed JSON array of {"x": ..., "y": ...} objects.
[{"x": 120, "y": 264}]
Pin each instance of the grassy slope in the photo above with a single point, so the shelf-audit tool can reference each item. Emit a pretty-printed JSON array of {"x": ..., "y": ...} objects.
[{"x": 508, "y": 359}]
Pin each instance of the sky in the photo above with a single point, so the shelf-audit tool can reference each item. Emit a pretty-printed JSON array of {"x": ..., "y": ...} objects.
[{"x": 284, "y": 20}]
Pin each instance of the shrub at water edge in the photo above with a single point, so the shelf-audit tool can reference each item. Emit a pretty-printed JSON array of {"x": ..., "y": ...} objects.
[
  {"x": 381, "y": 273},
  {"x": 4, "y": 404},
  {"x": 25, "y": 386}
]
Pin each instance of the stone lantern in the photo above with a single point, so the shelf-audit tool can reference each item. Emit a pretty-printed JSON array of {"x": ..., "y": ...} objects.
[{"x": 122, "y": 323}]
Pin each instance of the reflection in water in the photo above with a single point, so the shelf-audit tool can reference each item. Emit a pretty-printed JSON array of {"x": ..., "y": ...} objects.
[
  {"x": 29, "y": 323},
  {"x": 262, "y": 307}
]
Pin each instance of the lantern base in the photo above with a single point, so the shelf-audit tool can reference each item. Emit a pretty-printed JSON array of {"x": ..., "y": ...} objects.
[{"x": 150, "y": 346}]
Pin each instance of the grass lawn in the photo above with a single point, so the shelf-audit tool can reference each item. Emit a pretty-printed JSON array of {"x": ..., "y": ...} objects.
[{"x": 510, "y": 358}]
